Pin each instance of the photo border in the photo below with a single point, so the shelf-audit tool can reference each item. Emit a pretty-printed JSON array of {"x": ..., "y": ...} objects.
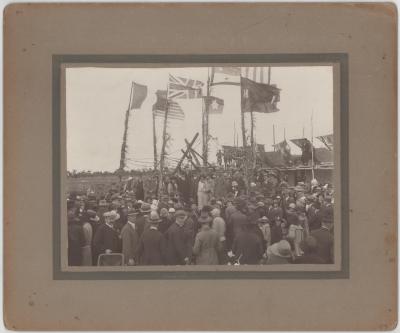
[{"x": 340, "y": 58}]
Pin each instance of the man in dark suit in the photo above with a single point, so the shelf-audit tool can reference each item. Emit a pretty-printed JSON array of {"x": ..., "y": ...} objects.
[
  {"x": 142, "y": 218},
  {"x": 324, "y": 236},
  {"x": 151, "y": 249},
  {"x": 238, "y": 217},
  {"x": 247, "y": 246},
  {"x": 130, "y": 240},
  {"x": 178, "y": 249},
  {"x": 106, "y": 239}
]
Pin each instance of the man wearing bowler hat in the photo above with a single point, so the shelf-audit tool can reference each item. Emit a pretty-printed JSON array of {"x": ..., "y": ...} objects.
[
  {"x": 142, "y": 217},
  {"x": 324, "y": 237},
  {"x": 130, "y": 240},
  {"x": 151, "y": 249},
  {"x": 106, "y": 239},
  {"x": 178, "y": 249}
]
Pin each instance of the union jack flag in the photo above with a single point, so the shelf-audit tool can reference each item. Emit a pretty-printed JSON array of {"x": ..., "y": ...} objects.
[
  {"x": 160, "y": 107},
  {"x": 179, "y": 87}
]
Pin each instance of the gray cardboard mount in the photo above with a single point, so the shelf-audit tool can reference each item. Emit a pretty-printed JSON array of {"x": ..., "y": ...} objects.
[{"x": 364, "y": 297}]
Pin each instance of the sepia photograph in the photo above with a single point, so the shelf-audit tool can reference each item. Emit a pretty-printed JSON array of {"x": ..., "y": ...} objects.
[{"x": 210, "y": 165}]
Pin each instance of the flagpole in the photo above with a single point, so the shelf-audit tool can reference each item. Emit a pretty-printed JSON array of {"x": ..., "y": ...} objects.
[
  {"x": 122, "y": 162},
  {"x": 154, "y": 141},
  {"x": 206, "y": 109},
  {"x": 162, "y": 156},
  {"x": 244, "y": 154},
  {"x": 273, "y": 135},
  {"x": 269, "y": 74},
  {"x": 234, "y": 133},
  {"x": 242, "y": 117},
  {"x": 252, "y": 136},
  {"x": 312, "y": 145}
]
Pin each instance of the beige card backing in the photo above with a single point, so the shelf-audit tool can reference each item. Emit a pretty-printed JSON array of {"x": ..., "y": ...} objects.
[{"x": 362, "y": 297}]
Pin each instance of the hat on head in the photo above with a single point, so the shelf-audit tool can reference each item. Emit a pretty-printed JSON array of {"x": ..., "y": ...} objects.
[
  {"x": 178, "y": 206},
  {"x": 103, "y": 203},
  {"x": 145, "y": 208},
  {"x": 92, "y": 215},
  {"x": 132, "y": 212},
  {"x": 263, "y": 219},
  {"x": 204, "y": 217},
  {"x": 260, "y": 204},
  {"x": 179, "y": 212},
  {"x": 154, "y": 217},
  {"x": 292, "y": 205},
  {"x": 163, "y": 212},
  {"x": 281, "y": 249},
  {"x": 171, "y": 210},
  {"x": 111, "y": 215},
  {"x": 215, "y": 212}
]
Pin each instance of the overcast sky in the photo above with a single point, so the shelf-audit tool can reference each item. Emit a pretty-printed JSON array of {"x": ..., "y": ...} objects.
[{"x": 97, "y": 99}]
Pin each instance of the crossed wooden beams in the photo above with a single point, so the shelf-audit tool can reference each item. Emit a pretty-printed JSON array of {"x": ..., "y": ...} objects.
[{"x": 191, "y": 155}]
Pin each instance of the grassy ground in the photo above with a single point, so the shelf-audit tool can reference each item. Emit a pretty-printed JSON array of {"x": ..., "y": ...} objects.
[{"x": 97, "y": 183}]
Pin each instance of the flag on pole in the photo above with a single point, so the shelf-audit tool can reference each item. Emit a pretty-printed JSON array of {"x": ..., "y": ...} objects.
[
  {"x": 179, "y": 87},
  {"x": 215, "y": 104},
  {"x": 256, "y": 74},
  {"x": 259, "y": 97},
  {"x": 139, "y": 94},
  {"x": 160, "y": 107},
  {"x": 284, "y": 148},
  {"x": 225, "y": 75},
  {"x": 327, "y": 140}
]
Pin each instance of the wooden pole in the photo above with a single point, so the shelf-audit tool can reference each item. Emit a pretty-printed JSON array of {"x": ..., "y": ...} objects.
[
  {"x": 191, "y": 151},
  {"x": 253, "y": 152},
  {"x": 162, "y": 155},
  {"x": 273, "y": 135},
  {"x": 312, "y": 145},
  {"x": 122, "y": 162},
  {"x": 244, "y": 141},
  {"x": 186, "y": 152},
  {"x": 154, "y": 142},
  {"x": 189, "y": 155},
  {"x": 206, "y": 116},
  {"x": 234, "y": 133},
  {"x": 269, "y": 75}
]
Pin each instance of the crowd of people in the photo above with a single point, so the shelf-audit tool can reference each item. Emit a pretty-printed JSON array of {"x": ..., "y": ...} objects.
[{"x": 206, "y": 219}]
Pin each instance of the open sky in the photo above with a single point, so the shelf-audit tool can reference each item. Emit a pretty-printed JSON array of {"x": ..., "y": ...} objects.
[{"x": 97, "y": 99}]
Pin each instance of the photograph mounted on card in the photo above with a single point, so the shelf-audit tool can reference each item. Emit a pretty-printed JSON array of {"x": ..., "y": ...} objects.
[
  {"x": 198, "y": 165},
  {"x": 189, "y": 161}
]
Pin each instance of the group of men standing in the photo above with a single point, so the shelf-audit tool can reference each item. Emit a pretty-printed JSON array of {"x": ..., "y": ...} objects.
[{"x": 296, "y": 227}]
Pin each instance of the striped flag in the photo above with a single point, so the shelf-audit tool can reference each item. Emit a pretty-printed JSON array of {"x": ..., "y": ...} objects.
[
  {"x": 256, "y": 74},
  {"x": 225, "y": 75},
  {"x": 160, "y": 107},
  {"x": 179, "y": 87}
]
